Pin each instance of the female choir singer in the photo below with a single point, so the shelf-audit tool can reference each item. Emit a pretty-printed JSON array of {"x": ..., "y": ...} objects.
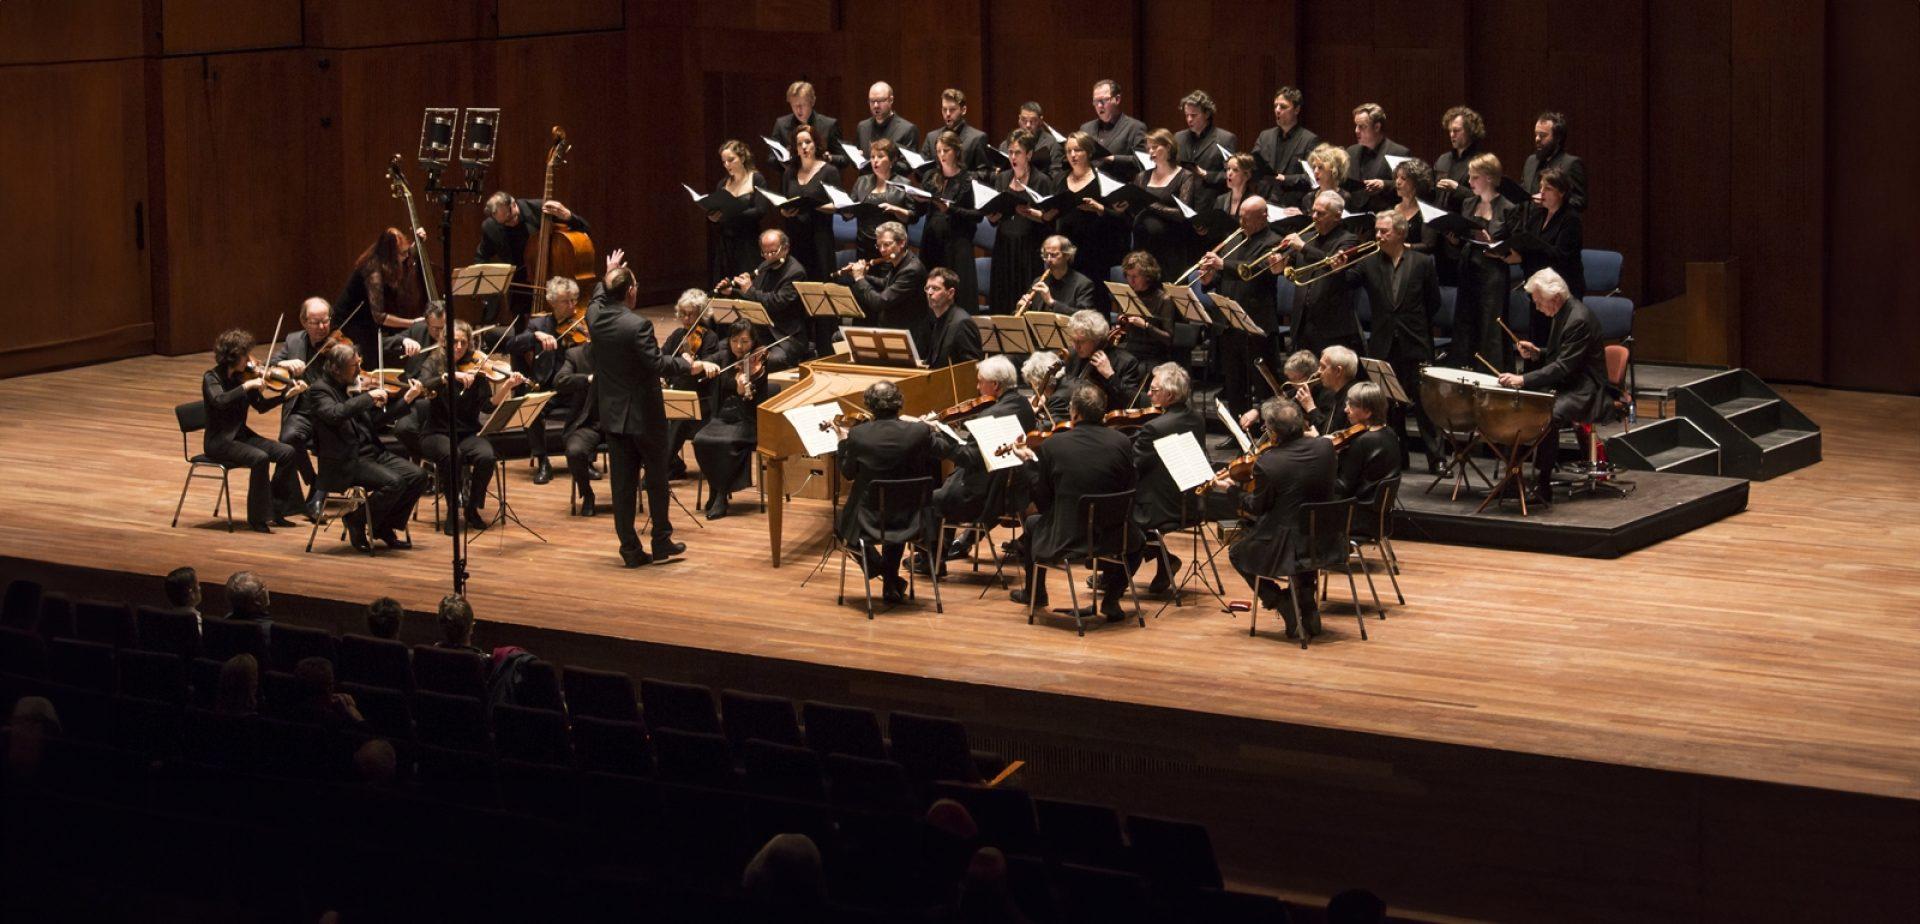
[
  {"x": 811, "y": 231},
  {"x": 1016, "y": 242},
  {"x": 947, "y": 238},
  {"x": 736, "y": 250},
  {"x": 877, "y": 187}
]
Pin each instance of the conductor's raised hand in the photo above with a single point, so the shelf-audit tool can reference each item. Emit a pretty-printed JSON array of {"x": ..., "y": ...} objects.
[{"x": 616, "y": 259}]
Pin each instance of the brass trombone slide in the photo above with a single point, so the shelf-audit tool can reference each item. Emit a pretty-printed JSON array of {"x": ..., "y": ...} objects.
[
  {"x": 1252, "y": 269},
  {"x": 1314, "y": 272},
  {"x": 1237, "y": 238}
]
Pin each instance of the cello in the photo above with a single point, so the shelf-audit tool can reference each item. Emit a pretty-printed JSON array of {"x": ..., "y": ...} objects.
[{"x": 557, "y": 251}]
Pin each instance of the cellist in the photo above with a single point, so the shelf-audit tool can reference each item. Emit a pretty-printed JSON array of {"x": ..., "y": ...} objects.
[{"x": 503, "y": 239}]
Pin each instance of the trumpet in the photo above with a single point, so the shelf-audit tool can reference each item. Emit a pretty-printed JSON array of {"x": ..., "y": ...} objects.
[
  {"x": 1237, "y": 238},
  {"x": 1316, "y": 271},
  {"x": 1020, "y": 307},
  {"x": 1252, "y": 269}
]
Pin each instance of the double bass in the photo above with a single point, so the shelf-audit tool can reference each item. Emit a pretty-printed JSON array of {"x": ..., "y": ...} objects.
[{"x": 558, "y": 251}]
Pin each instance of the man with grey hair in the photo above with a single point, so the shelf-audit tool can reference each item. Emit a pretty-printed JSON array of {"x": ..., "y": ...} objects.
[
  {"x": 1161, "y": 507},
  {"x": 883, "y": 122},
  {"x": 1091, "y": 361},
  {"x": 1297, "y": 470},
  {"x": 1573, "y": 366},
  {"x": 248, "y": 600},
  {"x": 1203, "y": 144},
  {"x": 892, "y": 290},
  {"x": 1239, "y": 351},
  {"x": 1403, "y": 286},
  {"x": 504, "y": 233},
  {"x": 883, "y": 448},
  {"x": 772, "y": 287},
  {"x": 1041, "y": 372},
  {"x": 1062, "y": 288},
  {"x": 1323, "y": 313},
  {"x": 963, "y": 498}
]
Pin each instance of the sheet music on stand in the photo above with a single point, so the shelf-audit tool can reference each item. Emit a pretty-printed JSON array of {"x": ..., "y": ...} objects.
[
  {"x": 1003, "y": 334},
  {"x": 882, "y": 346},
  {"x": 516, "y": 413},
  {"x": 814, "y": 424},
  {"x": 481, "y": 279},
  {"x": 828, "y": 300},
  {"x": 1236, "y": 316},
  {"x": 1382, "y": 374},
  {"x": 681, "y": 403},
  {"x": 1233, "y": 426},
  {"x": 1185, "y": 460},
  {"x": 1189, "y": 307},
  {"x": 991, "y": 433},
  {"x": 1127, "y": 302},
  {"x": 1049, "y": 330},
  {"x": 725, "y": 311}
]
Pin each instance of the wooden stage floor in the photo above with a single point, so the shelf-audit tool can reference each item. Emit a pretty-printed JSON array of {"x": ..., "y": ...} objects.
[{"x": 1779, "y": 645}]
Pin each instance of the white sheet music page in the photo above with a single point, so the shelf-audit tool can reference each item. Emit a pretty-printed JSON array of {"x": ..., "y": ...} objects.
[
  {"x": 1233, "y": 426},
  {"x": 1184, "y": 459},
  {"x": 806, "y": 421},
  {"x": 991, "y": 433}
]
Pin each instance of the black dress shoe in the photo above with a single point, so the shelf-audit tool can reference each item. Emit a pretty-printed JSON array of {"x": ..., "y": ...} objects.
[
  {"x": 677, "y": 471},
  {"x": 1540, "y": 497},
  {"x": 1019, "y": 595},
  {"x": 542, "y": 472},
  {"x": 281, "y": 521},
  {"x": 1114, "y": 613},
  {"x": 1163, "y": 579},
  {"x": 894, "y": 592},
  {"x": 717, "y": 508},
  {"x": 922, "y": 566},
  {"x": 260, "y": 528},
  {"x": 357, "y": 536},
  {"x": 665, "y": 549},
  {"x": 594, "y": 474},
  {"x": 313, "y": 510},
  {"x": 393, "y": 540},
  {"x": 634, "y": 558},
  {"x": 475, "y": 517},
  {"x": 587, "y": 507}
]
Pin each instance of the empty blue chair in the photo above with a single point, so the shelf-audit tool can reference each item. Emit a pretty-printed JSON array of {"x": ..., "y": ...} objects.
[{"x": 1602, "y": 269}]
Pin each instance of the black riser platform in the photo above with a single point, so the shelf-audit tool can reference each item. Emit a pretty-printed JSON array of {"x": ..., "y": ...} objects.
[{"x": 1760, "y": 434}]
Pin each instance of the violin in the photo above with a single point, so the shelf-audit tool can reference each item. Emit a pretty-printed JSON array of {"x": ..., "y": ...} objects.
[
  {"x": 1034, "y": 438},
  {"x": 575, "y": 333},
  {"x": 963, "y": 409},
  {"x": 1341, "y": 438},
  {"x": 480, "y": 363},
  {"x": 1132, "y": 417},
  {"x": 278, "y": 379},
  {"x": 1239, "y": 469},
  {"x": 387, "y": 380},
  {"x": 846, "y": 421}
]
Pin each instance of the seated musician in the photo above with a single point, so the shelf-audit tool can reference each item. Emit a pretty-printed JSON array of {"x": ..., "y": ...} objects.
[
  {"x": 1091, "y": 361},
  {"x": 478, "y": 396},
  {"x": 1149, "y": 339},
  {"x": 428, "y": 331},
  {"x": 885, "y": 447},
  {"x": 579, "y": 413},
  {"x": 1326, "y": 406},
  {"x": 344, "y": 422},
  {"x": 1296, "y": 470},
  {"x": 543, "y": 335},
  {"x": 690, "y": 310},
  {"x": 1373, "y": 456},
  {"x": 1090, "y": 458},
  {"x": 963, "y": 497},
  {"x": 1299, "y": 372},
  {"x": 234, "y": 384},
  {"x": 1161, "y": 506},
  {"x": 724, "y": 447},
  {"x": 297, "y": 353},
  {"x": 892, "y": 289},
  {"x": 1061, "y": 289},
  {"x": 1573, "y": 366},
  {"x": 771, "y": 287},
  {"x": 952, "y": 336},
  {"x": 1041, "y": 371}
]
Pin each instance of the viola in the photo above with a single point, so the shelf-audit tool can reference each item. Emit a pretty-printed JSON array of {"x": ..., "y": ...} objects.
[
  {"x": 278, "y": 379},
  {"x": 1130, "y": 418},
  {"x": 1341, "y": 438},
  {"x": 1034, "y": 438},
  {"x": 1239, "y": 469},
  {"x": 846, "y": 421},
  {"x": 482, "y": 364},
  {"x": 575, "y": 333},
  {"x": 963, "y": 409}
]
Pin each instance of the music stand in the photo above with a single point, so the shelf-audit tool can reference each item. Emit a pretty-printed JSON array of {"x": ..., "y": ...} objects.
[
  {"x": 1189, "y": 307},
  {"x": 1126, "y": 302},
  {"x": 481, "y": 279},
  {"x": 725, "y": 310},
  {"x": 1382, "y": 374},
  {"x": 1004, "y": 334},
  {"x": 828, "y": 300},
  {"x": 1236, "y": 316},
  {"x": 516, "y": 413},
  {"x": 882, "y": 346},
  {"x": 1049, "y": 330}
]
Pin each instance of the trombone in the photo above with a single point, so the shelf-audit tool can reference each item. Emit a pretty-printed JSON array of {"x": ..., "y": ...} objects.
[
  {"x": 1321, "y": 269},
  {"x": 1237, "y": 238},
  {"x": 1252, "y": 269}
]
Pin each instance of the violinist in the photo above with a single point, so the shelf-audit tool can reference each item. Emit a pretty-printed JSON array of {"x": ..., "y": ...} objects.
[
  {"x": 297, "y": 353},
  {"x": 1087, "y": 459},
  {"x": 963, "y": 497},
  {"x": 538, "y": 352},
  {"x": 1373, "y": 456},
  {"x": 503, "y": 239},
  {"x": 478, "y": 395},
  {"x": 234, "y": 384},
  {"x": 1295, "y": 470},
  {"x": 1300, "y": 372},
  {"x": 1091, "y": 360},
  {"x": 885, "y": 447},
  {"x": 1041, "y": 372},
  {"x": 953, "y": 337},
  {"x": 581, "y": 432},
  {"x": 694, "y": 339},
  {"x": 386, "y": 278},
  {"x": 1161, "y": 507},
  {"x": 429, "y": 331},
  {"x": 351, "y": 454},
  {"x": 724, "y": 447},
  {"x": 1149, "y": 339},
  {"x": 770, "y": 285}
]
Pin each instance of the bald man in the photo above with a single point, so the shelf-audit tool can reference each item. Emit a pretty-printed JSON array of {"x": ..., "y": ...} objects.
[
  {"x": 1221, "y": 272},
  {"x": 884, "y": 122},
  {"x": 298, "y": 352}
]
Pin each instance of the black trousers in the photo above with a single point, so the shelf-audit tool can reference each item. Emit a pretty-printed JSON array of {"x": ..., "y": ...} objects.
[
  {"x": 582, "y": 445},
  {"x": 724, "y": 450},
  {"x": 296, "y": 430},
  {"x": 1301, "y": 606},
  {"x": 407, "y": 430},
  {"x": 1569, "y": 407},
  {"x": 1406, "y": 368},
  {"x": 267, "y": 494},
  {"x": 1113, "y": 575},
  {"x": 393, "y": 486},
  {"x": 630, "y": 452},
  {"x": 476, "y": 455},
  {"x": 1237, "y": 351}
]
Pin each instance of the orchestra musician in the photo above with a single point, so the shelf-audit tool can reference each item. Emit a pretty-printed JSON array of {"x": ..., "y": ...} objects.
[
  {"x": 734, "y": 234},
  {"x": 771, "y": 285},
  {"x": 800, "y": 100},
  {"x": 429, "y": 330},
  {"x": 298, "y": 352},
  {"x": 1573, "y": 366},
  {"x": 1048, "y": 158},
  {"x": 1323, "y": 312},
  {"x": 1160, "y": 507},
  {"x": 1092, "y": 360},
  {"x": 580, "y": 411},
  {"x": 1017, "y": 259},
  {"x": 1061, "y": 288},
  {"x": 962, "y": 497},
  {"x": 972, "y": 141},
  {"x": 1098, "y": 232},
  {"x": 1161, "y": 228},
  {"x": 1041, "y": 372},
  {"x": 952, "y": 336},
  {"x": 458, "y": 429},
  {"x": 883, "y": 448},
  {"x": 690, "y": 311},
  {"x": 235, "y": 384},
  {"x": 724, "y": 447},
  {"x": 386, "y": 279},
  {"x": 1238, "y": 350},
  {"x": 1368, "y": 156},
  {"x": 1090, "y": 458},
  {"x": 1283, "y": 147},
  {"x": 351, "y": 455},
  {"x": 563, "y": 305},
  {"x": 1119, "y": 133},
  {"x": 1149, "y": 339},
  {"x": 509, "y": 224},
  {"x": 1550, "y": 150},
  {"x": 1201, "y": 142},
  {"x": 808, "y": 174},
  {"x": 892, "y": 289},
  {"x": 628, "y": 369},
  {"x": 883, "y": 122},
  {"x": 1483, "y": 269},
  {"x": 1553, "y": 238},
  {"x": 1326, "y": 405},
  {"x": 876, "y": 186},
  {"x": 1404, "y": 288},
  {"x": 1372, "y": 457},
  {"x": 946, "y": 239},
  {"x": 1296, "y": 470},
  {"x": 1465, "y": 130}
]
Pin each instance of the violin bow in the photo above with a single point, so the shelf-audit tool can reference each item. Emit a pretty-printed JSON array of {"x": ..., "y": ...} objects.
[{"x": 278, "y": 320}]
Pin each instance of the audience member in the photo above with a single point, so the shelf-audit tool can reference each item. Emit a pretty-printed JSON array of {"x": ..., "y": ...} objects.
[
  {"x": 247, "y": 598},
  {"x": 239, "y": 690},
  {"x": 34, "y": 720},
  {"x": 375, "y": 764},
  {"x": 383, "y": 618},
  {"x": 785, "y": 881},
  {"x": 456, "y": 623},
  {"x": 984, "y": 895},
  {"x": 183, "y": 592},
  {"x": 318, "y": 703}
]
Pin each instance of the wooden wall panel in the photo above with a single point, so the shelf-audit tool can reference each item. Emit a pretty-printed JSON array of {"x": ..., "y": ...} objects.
[
  {"x": 1248, "y": 57},
  {"x": 46, "y": 31},
  {"x": 199, "y": 26},
  {"x": 370, "y": 23},
  {"x": 1690, "y": 146},
  {"x": 545, "y": 17},
  {"x": 1409, "y": 58},
  {"x": 1052, "y": 52}
]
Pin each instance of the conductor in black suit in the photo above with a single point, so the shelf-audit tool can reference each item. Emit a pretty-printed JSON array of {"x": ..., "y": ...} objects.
[
  {"x": 1299, "y": 469},
  {"x": 1573, "y": 366},
  {"x": 771, "y": 287},
  {"x": 628, "y": 366},
  {"x": 352, "y": 456},
  {"x": 800, "y": 98},
  {"x": 1089, "y": 459},
  {"x": 892, "y": 290},
  {"x": 509, "y": 224},
  {"x": 884, "y": 448},
  {"x": 952, "y": 336},
  {"x": 1404, "y": 286}
]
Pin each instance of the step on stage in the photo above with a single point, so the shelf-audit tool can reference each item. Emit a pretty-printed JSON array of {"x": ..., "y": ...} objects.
[{"x": 1721, "y": 725}]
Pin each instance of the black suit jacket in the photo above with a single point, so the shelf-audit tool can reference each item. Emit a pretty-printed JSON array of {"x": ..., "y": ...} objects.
[
  {"x": 1256, "y": 295},
  {"x": 904, "y": 133},
  {"x": 501, "y": 244},
  {"x": 1201, "y": 151},
  {"x": 1125, "y": 136},
  {"x": 884, "y": 449},
  {"x": 1371, "y": 458},
  {"x": 1072, "y": 292},
  {"x": 970, "y": 480},
  {"x": 1122, "y": 387},
  {"x": 828, "y": 128},
  {"x": 1282, "y": 157},
  {"x": 897, "y": 298},
  {"x": 773, "y": 288},
  {"x": 1299, "y": 472},
  {"x": 1574, "y": 361},
  {"x": 955, "y": 339},
  {"x": 1573, "y": 167},
  {"x": 1089, "y": 459},
  {"x": 629, "y": 366},
  {"x": 1323, "y": 313},
  {"x": 1371, "y": 164},
  {"x": 344, "y": 428},
  {"x": 575, "y": 389},
  {"x": 227, "y": 402},
  {"x": 1403, "y": 310},
  {"x": 973, "y": 150},
  {"x": 1159, "y": 503},
  {"x": 298, "y": 346}
]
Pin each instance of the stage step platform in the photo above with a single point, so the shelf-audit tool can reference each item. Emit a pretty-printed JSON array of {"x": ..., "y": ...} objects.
[
  {"x": 1760, "y": 434},
  {"x": 1674, "y": 444}
]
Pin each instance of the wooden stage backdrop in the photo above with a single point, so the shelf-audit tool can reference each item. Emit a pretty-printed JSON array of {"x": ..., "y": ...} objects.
[
  {"x": 187, "y": 165},
  {"x": 1651, "y": 735}
]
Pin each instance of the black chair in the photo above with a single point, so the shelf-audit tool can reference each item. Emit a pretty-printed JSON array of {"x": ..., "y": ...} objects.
[
  {"x": 681, "y": 706},
  {"x": 21, "y": 608},
  {"x": 86, "y": 665},
  {"x": 203, "y": 682},
  {"x": 456, "y": 722},
  {"x": 147, "y": 727},
  {"x": 85, "y": 715},
  {"x": 375, "y": 662},
  {"x": 848, "y": 730},
  {"x": 1374, "y": 527},
  {"x": 1325, "y": 527},
  {"x": 605, "y": 746},
  {"x": 192, "y": 417},
  {"x": 1005, "y": 816},
  {"x": 1173, "y": 854},
  {"x": 782, "y": 770},
  {"x": 170, "y": 631},
  {"x": 1108, "y": 539},
  {"x": 452, "y": 671},
  {"x": 154, "y": 675},
  {"x": 56, "y": 616},
  {"x": 293, "y": 644},
  {"x": 536, "y": 736},
  {"x": 1076, "y": 832},
  {"x": 695, "y": 758},
  {"x": 297, "y": 750},
  {"x": 748, "y": 716},
  {"x": 873, "y": 785},
  {"x": 539, "y": 686},
  {"x": 279, "y": 695},
  {"x": 106, "y": 622},
  {"x": 1095, "y": 894},
  {"x": 388, "y": 713},
  {"x": 1225, "y": 906},
  {"x": 600, "y": 695},
  {"x": 221, "y": 639},
  {"x": 22, "y": 654},
  {"x": 887, "y": 495},
  {"x": 226, "y": 741},
  {"x": 456, "y": 775},
  {"x": 549, "y": 791},
  {"x": 931, "y": 748},
  {"x": 1000, "y": 510}
]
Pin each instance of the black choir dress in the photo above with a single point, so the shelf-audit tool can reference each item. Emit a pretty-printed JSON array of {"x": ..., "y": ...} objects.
[
  {"x": 811, "y": 231},
  {"x": 1016, "y": 249},
  {"x": 1483, "y": 292},
  {"x": 1101, "y": 239},
  {"x": 870, "y": 189},
  {"x": 947, "y": 237},
  {"x": 1558, "y": 249},
  {"x": 1160, "y": 228},
  {"x": 737, "y": 237}
]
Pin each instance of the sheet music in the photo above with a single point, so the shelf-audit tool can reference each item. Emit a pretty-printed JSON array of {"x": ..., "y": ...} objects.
[
  {"x": 911, "y": 190},
  {"x": 1107, "y": 184},
  {"x": 991, "y": 433},
  {"x": 779, "y": 150},
  {"x": 853, "y": 154},
  {"x": 1430, "y": 212},
  {"x": 1145, "y": 159},
  {"x": 950, "y": 432},
  {"x": 1224, "y": 153},
  {"x": 1186, "y": 211},
  {"x": 982, "y": 193},
  {"x": 1233, "y": 426},
  {"x": 1394, "y": 161},
  {"x": 1056, "y": 134},
  {"x": 690, "y": 191},
  {"x": 1186, "y": 462},
  {"x": 915, "y": 160},
  {"x": 836, "y": 197},
  {"x": 806, "y": 421},
  {"x": 772, "y": 197},
  {"x": 1308, "y": 169}
]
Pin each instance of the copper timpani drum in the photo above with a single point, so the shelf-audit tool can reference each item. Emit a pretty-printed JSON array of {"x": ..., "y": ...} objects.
[
  {"x": 1509, "y": 417},
  {"x": 1446, "y": 395}
]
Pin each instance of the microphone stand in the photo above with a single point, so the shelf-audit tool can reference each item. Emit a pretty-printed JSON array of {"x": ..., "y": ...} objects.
[{"x": 448, "y": 197}]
